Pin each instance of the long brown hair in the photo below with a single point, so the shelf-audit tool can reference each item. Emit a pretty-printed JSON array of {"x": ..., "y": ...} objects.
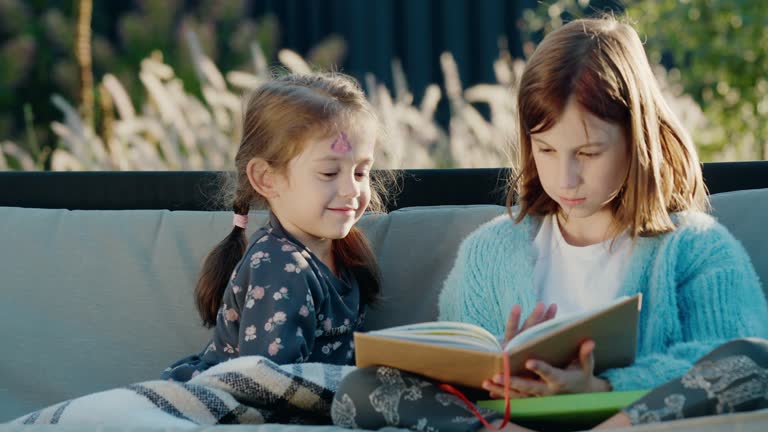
[
  {"x": 602, "y": 64},
  {"x": 279, "y": 117}
]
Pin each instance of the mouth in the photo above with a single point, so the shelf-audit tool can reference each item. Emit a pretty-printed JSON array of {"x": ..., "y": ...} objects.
[
  {"x": 571, "y": 202},
  {"x": 343, "y": 210}
]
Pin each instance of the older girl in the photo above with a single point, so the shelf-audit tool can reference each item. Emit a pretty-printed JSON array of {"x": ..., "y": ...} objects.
[{"x": 611, "y": 202}]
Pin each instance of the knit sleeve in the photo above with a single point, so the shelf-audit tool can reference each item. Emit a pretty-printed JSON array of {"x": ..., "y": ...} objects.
[
  {"x": 719, "y": 298},
  {"x": 467, "y": 294}
]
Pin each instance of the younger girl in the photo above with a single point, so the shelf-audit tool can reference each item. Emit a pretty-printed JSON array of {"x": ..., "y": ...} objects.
[
  {"x": 611, "y": 202},
  {"x": 299, "y": 290}
]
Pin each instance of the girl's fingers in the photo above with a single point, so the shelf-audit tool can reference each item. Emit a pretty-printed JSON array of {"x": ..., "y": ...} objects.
[
  {"x": 586, "y": 356},
  {"x": 535, "y": 316},
  {"x": 551, "y": 312},
  {"x": 548, "y": 373},
  {"x": 529, "y": 386},
  {"x": 496, "y": 391},
  {"x": 539, "y": 314},
  {"x": 513, "y": 322}
]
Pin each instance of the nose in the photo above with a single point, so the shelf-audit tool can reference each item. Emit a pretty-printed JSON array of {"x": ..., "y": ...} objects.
[
  {"x": 570, "y": 173},
  {"x": 349, "y": 187}
]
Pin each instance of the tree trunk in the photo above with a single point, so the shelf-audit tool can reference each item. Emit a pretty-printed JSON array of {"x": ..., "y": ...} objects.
[{"x": 84, "y": 61}]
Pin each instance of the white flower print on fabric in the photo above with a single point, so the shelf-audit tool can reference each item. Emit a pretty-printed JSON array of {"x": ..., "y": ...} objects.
[
  {"x": 264, "y": 238},
  {"x": 280, "y": 317},
  {"x": 253, "y": 294},
  {"x": 229, "y": 349},
  {"x": 343, "y": 412},
  {"x": 250, "y": 333},
  {"x": 236, "y": 289},
  {"x": 277, "y": 319},
  {"x": 310, "y": 302},
  {"x": 720, "y": 380},
  {"x": 385, "y": 399},
  {"x": 288, "y": 248},
  {"x": 258, "y": 257},
  {"x": 299, "y": 264},
  {"x": 292, "y": 268},
  {"x": 331, "y": 346},
  {"x": 274, "y": 347},
  {"x": 673, "y": 409},
  {"x": 327, "y": 324},
  {"x": 281, "y": 294},
  {"x": 421, "y": 425},
  {"x": 211, "y": 348},
  {"x": 231, "y": 315}
]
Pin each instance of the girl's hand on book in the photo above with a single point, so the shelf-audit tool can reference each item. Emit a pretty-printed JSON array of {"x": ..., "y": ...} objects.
[
  {"x": 578, "y": 377},
  {"x": 496, "y": 389},
  {"x": 540, "y": 314}
]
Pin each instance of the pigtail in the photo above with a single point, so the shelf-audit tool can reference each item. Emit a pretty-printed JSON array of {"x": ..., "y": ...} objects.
[
  {"x": 354, "y": 252},
  {"x": 217, "y": 270}
]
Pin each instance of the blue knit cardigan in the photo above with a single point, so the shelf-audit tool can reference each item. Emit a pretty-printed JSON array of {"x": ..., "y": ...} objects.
[{"x": 698, "y": 284}]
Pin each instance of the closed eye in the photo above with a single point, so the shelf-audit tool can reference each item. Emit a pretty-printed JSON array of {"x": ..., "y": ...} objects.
[
  {"x": 590, "y": 154},
  {"x": 329, "y": 174}
]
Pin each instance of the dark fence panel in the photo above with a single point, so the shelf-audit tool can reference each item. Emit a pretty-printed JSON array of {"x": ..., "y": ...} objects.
[{"x": 414, "y": 31}]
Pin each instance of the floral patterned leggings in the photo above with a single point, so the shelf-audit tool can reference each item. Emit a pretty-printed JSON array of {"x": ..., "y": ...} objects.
[{"x": 731, "y": 378}]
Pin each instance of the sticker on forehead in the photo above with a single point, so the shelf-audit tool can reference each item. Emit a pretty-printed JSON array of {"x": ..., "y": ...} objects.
[{"x": 341, "y": 144}]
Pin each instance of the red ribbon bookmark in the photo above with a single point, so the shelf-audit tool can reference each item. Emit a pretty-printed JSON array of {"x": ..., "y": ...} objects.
[{"x": 454, "y": 391}]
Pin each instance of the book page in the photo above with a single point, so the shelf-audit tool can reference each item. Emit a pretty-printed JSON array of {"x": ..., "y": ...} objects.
[
  {"x": 557, "y": 322},
  {"x": 450, "y": 340},
  {"x": 451, "y": 333}
]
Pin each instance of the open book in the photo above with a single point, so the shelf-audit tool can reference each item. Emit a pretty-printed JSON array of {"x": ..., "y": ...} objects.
[{"x": 467, "y": 354}]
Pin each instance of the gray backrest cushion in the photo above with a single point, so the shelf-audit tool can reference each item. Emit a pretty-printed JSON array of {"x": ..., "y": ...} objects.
[
  {"x": 416, "y": 249},
  {"x": 98, "y": 299},
  {"x": 745, "y": 214}
]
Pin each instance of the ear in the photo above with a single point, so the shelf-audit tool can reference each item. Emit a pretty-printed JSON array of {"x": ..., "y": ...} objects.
[{"x": 261, "y": 176}]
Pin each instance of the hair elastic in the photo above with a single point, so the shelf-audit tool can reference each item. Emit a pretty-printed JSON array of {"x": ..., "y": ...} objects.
[{"x": 240, "y": 220}]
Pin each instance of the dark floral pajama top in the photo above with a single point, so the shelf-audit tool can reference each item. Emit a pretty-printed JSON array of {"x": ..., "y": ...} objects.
[{"x": 282, "y": 303}]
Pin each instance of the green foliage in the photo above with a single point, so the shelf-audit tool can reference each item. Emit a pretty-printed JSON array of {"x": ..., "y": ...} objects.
[
  {"x": 721, "y": 49},
  {"x": 37, "y": 53}
]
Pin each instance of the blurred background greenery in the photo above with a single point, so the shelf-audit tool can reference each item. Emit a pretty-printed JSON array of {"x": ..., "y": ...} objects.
[{"x": 141, "y": 84}]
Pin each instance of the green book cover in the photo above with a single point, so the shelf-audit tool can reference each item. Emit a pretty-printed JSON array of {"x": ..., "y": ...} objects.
[{"x": 577, "y": 410}]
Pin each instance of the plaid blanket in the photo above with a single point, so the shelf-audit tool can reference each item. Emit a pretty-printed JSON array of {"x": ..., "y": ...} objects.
[{"x": 248, "y": 389}]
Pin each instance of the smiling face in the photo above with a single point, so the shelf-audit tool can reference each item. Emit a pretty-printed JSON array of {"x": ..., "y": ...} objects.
[
  {"x": 326, "y": 188},
  {"x": 582, "y": 163}
]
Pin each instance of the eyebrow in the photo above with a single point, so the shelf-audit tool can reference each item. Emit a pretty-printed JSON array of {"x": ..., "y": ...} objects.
[{"x": 589, "y": 144}]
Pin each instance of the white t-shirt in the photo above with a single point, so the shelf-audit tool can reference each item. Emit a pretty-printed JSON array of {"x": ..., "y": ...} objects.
[{"x": 578, "y": 278}]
